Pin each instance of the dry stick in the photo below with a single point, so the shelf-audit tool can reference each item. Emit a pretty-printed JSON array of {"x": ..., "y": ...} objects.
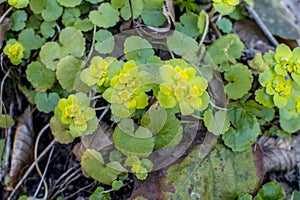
[
  {"x": 35, "y": 156},
  {"x": 44, "y": 174},
  {"x": 263, "y": 27},
  {"x": 8, "y": 135},
  {"x": 30, "y": 169},
  {"x": 5, "y": 14},
  {"x": 91, "y": 49}
]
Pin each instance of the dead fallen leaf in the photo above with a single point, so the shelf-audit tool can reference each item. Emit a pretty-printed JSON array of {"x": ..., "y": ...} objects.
[
  {"x": 4, "y": 26},
  {"x": 251, "y": 34},
  {"x": 99, "y": 141},
  {"x": 22, "y": 152}
]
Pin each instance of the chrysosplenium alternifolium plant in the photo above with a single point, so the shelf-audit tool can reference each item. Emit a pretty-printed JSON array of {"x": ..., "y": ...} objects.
[
  {"x": 14, "y": 51},
  {"x": 225, "y": 7},
  {"x": 76, "y": 113},
  {"x": 281, "y": 85}
]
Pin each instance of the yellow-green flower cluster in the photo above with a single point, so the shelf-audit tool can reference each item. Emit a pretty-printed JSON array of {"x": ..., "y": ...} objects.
[
  {"x": 180, "y": 85},
  {"x": 126, "y": 93},
  {"x": 96, "y": 73},
  {"x": 140, "y": 167},
  {"x": 15, "y": 51},
  {"x": 18, "y": 3},
  {"x": 75, "y": 112},
  {"x": 281, "y": 79},
  {"x": 225, "y": 7},
  {"x": 286, "y": 62}
]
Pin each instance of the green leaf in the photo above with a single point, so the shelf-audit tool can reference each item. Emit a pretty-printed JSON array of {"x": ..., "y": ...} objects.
[
  {"x": 240, "y": 81},
  {"x": 137, "y": 9},
  {"x": 106, "y": 16},
  {"x": 154, "y": 119},
  {"x": 258, "y": 63},
  {"x": 202, "y": 21},
  {"x": 225, "y": 7},
  {"x": 224, "y": 25},
  {"x": 152, "y": 13},
  {"x": 60, "y": 131},
  {"x": 181, "y": 44},
  {"x": 84, "y": 25},
  {"x": 137, "y": 48},
  {"x": 115, "y": 156},
  {"x": 49, "y": 9},
  {"x": 227, "y": 48},
  {"x": 263, "y": 98},
  {"x": 217, "y": 123},
  {"x": 68, "y": 3},
  {"x": 70, "y": 15},
  {"x": 130, "y": 144},
  {"x": 39, "y": 76},
  {"x": 118, "y": 3},
  {"x": 67, "y": 70},
  {"x": 243, "y": 136},
  {"x": 244, "y": 197},
  {"x": 291, "y": 125},
  {"x": 99, "y": 194},
  {"x": 48, "y": 29},
  {"x": 18, "y": 19},
  {"x": 188, "y": 24},
  {"x": 105, "y": 42},
  {"x": 34, "y": 22},
  {"x": 269, "y": 191},
  {"x": 93, "y": 164},
  {"x": 30, "y": 40},
  {"x": 19, "y": 3},
  {"x": 171, "y": 133},
  {"x": 71, "y": 42},
  {"x": 6, "y": 121},
  {"x": 116, "y": 185},
  {"x": 50, "y": 54},
  {"x": 46, "y": 102},
  {"x": 95, "y": 1}
]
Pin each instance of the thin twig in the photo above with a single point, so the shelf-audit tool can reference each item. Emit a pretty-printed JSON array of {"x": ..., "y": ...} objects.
[
  {"x": 5, "y": 14},
  {"x": 2, "y": 85},
  {"x": 263, "y": 27},
  {"x": 30, "y": 169},
  {"x": 91, "y": 49},
  {"x": 44, "y": 174},
  {"x": 35, "y": 156},
  {"x": 203, "y": 35},
  {"x": 9, "y": 137}
]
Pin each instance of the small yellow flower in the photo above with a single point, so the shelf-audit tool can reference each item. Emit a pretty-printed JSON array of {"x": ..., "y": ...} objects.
[{"x": 15, "y": 52}]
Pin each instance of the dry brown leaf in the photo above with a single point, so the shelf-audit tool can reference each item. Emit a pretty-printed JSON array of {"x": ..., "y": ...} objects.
[
  {"x": 99, "y": 141},
  {"x": 4, "y": 26},
  {"x": 251, "y": 35},
  {"x": 22, "y": 152},
  {"x": 280, "y": 154}
]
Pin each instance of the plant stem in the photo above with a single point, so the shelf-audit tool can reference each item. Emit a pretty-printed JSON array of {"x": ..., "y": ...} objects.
[
  {"x": 263, "y": 27},
  {"x": 5, "y": 14}
]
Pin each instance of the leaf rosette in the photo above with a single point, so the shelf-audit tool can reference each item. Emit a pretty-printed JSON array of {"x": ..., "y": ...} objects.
[
  {"x": 76, "y": 113},
  {"x": 225, "y": 7},
  {"x": 15, "y": 51},
  {"x": 182, "y": 86},
  {"x": 127, "y": 92},
  {"x": 96, "y": 73}
]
